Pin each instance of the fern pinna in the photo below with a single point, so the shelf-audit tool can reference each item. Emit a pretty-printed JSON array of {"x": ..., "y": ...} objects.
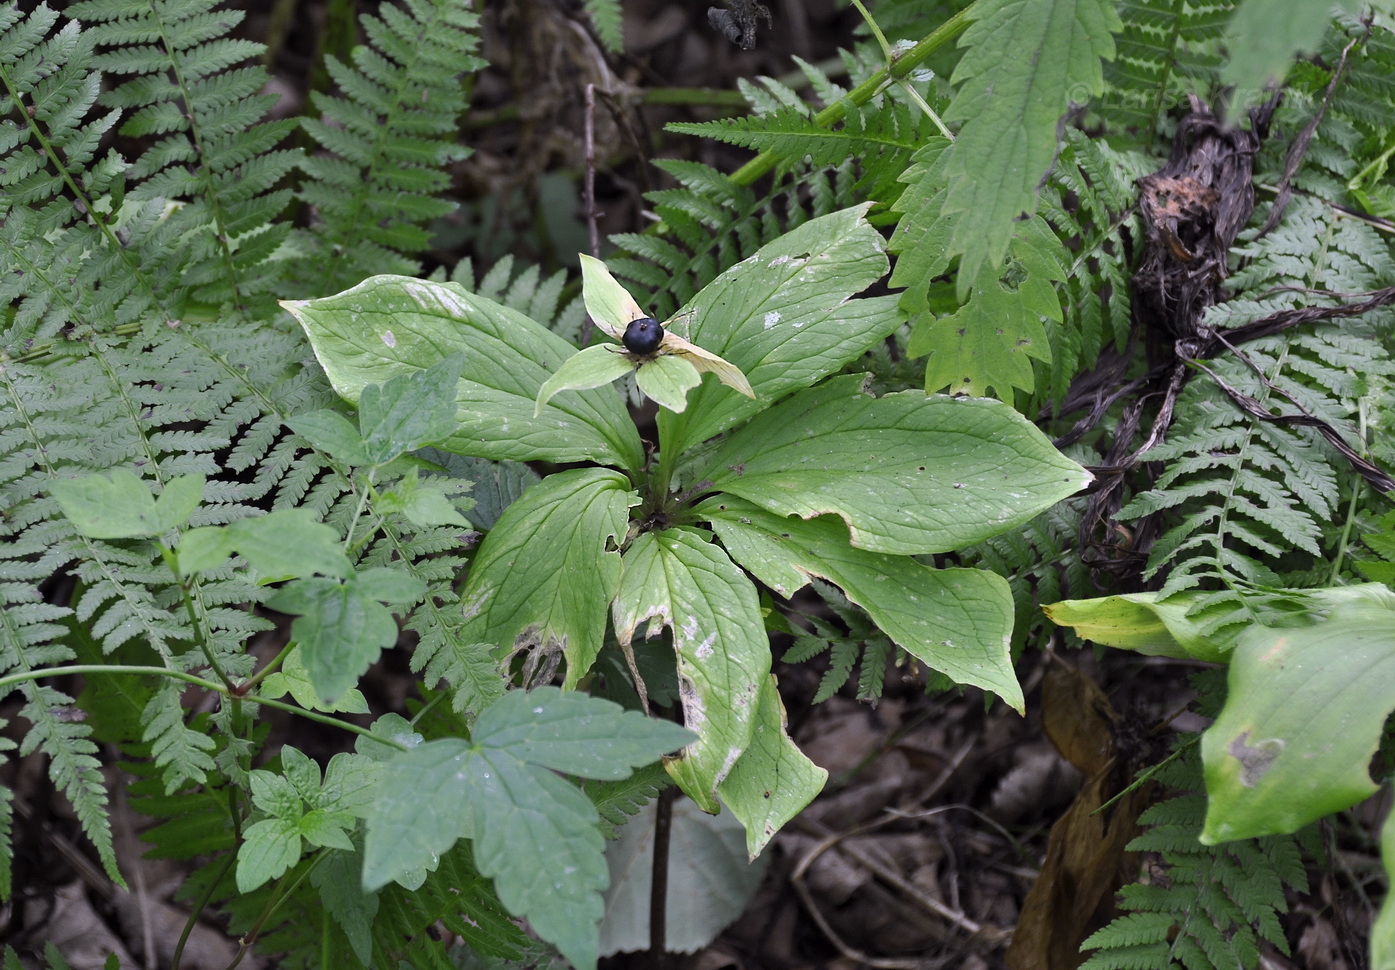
[{"x": 143, "y": 334}]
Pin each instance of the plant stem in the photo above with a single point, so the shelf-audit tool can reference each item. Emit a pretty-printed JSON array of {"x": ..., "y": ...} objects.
[
  {"x": 212, "y": 685},
  {"x": 658, "y": 887}
]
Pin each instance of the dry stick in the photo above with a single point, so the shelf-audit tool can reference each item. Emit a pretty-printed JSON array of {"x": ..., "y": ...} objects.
[{"x": 589, "y": 190}]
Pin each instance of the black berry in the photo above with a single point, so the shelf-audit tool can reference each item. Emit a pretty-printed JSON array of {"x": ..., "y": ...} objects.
[{"x": 643, "y": 336}]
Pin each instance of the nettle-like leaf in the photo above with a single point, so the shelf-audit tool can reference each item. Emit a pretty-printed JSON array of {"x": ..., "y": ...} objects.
[
  {"x": 1025, "y": 62},
  {"x": 535, "y": 834},
  {"x": 988, "y": 343},
  {"x": 547, "y": 571},
  {"x": 121, "y": 506},
  {"x": 389, "y": 325},
  {"x": 342, "y": 626}
]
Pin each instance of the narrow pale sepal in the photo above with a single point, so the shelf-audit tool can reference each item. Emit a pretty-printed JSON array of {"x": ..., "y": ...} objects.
[
  {"x": 608, "y": 303},
  {"x": 584, "y": 370},
  {"x": 707, "y": 362},
  {"x": 667, "y": 381}
]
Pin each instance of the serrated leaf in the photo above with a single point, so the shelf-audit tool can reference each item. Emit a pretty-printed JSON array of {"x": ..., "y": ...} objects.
[
  {"x": 667, "y": 380},
  {"x": 576, "y": 734},
  {"x": 341, "y": 630},
  {"x": 923, "y": 233},
  {"x": 772, "y": 781},
  {"x": 536, "y": 835},
  {"x": 958, "y": 621},
  {"x": 424, "y": 503},
  {"x": 294, "y": 679},
  {"x": 609, "y": 304},
  {"x": 987, "y": 344},
  {"x": 288, "y": 543},
  {"x": 785, "y": 318},
  {"x": 337, "y": 878},
  {"x": 332, "y": 433},
  {"x": 1264, "y": 35},
  {"x": 550, "y": 566},
  {"x": 909, "y": 474},
  {"x": 1025, "y": 62},
  {"x": 679, "y": 579},
  {"x": 539, "y": 838},
  {"x": 592, "y": 367},
  {"x": 1302, "y": 720},
  {"x": 390, "y": 325},
  {"x": 409, "y": 410},
  {"x": 268, "y": 849},
  {"x": 121, "y": 507}
]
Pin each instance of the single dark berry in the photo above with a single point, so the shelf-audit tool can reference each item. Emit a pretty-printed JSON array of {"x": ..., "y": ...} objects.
[{"x": 643, "y": 336}]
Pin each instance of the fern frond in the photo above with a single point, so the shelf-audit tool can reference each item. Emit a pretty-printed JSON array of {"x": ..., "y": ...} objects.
[
  {"x": 73, "y": 765},
  {"x": 1164, "y": 52},
  {"x": 1218, "y": 902},
  {"x": 1246, "y": 493},
  {"x": 389, "y": 135},
  {"x": 618, "y": 801},
  {"x": 609, "y": 21},
  {"x": 791, "y": 133},
  {"x": 213, "y": 153}
]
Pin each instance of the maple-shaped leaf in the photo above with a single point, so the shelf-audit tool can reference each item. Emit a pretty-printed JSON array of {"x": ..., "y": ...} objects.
[{"x": 990, "y": 340}]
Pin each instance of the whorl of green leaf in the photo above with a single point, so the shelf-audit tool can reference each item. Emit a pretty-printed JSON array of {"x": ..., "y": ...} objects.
[
  {"x": 1219, "y": 902},
  {"x": 388, "y": 137}
]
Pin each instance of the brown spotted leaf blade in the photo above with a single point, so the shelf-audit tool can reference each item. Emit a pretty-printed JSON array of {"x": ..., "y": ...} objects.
[{"x": 1086, "y": 858}]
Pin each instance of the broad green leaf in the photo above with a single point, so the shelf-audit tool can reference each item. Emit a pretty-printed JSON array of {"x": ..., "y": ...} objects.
[
  {"x": 988, "y": 343},
  {"x": 340, "y": 627},
  {"x": 1025, "y": 62},
  {"x": 677, "y": 578},
  {"x": 1143, "y": 622},
  {"x": 609, "y": 304},
  {"x": 389, "y": 325},
  {"x": 592, "y": 367},
  {"x": 1264, "y": 35},
  {"x": 667, "y": 381},
  {"x": 773, "y": 780},
  {"x": 1183, "y": 627},
  {"x": 1302, "y": 720},
  {"x": 204, "y": 548},
  {"x": 294, "y": 679},
  {"x": 288, "y": 543},
  {"x": 121, "y": 506},
  {"x": 908, "y": 473},
  {"x": 332, "y": 433},
  {"x": 422, "y": 807},
  {"x": 423, "y": 502},
  {"x": 958, "y": 621},
  {"x": 539, "y": 838},
  {"x": 785, "y": 318},
  {"x": 409, "y": 410},
  {"x": 535, "y": 834},
  {"x": 549, "y": 567},
  {"x": 268, "y": 849},
  {"x": 709, "y": 879},
  {"x": 576, "y": 733}
]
